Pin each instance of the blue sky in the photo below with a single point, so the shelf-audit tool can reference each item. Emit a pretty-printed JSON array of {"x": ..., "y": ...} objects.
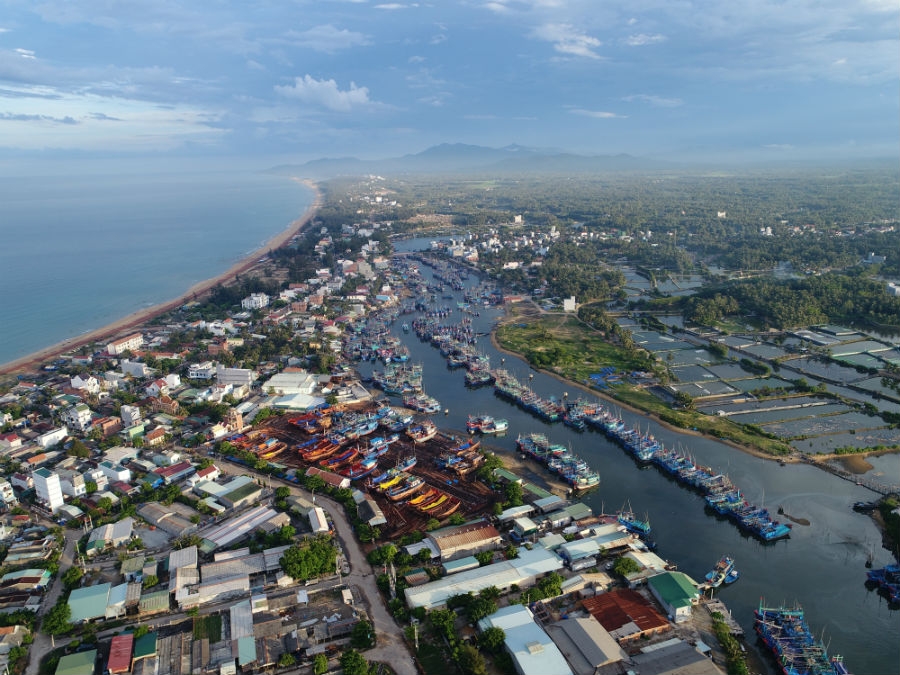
[{"x": 297, "y": 80}]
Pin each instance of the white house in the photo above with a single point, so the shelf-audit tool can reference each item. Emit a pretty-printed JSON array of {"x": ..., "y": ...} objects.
[
  {"x": 157, "y": 388},
  {"x": 128, "y": 343},
  {"x": 114, "y": 472},
  {"x": 7, "y": 494},
  {"x": 201, "y": 371},
  {"x": 86, "y": 383},
  {"x": 47, "y": 489},
  {"x": 130, "y": 414},
  {"x": 73, "y": 484},
  {"x": 135, "y": 368},
  {"x": 10, "y": 441},
  {"x": 255, "y": 301},
  {"x": 78, "y": 417},
  {"x": 52, "y": 437}
]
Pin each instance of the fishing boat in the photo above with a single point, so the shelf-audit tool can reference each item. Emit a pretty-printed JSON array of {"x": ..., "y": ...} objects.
[
  {"x": 411, "y": 485},
  {"x": 796, "y": 649},
  {"x": 632, "y": 523},
  {"x": 360, "y": 469},
  {"x": 422, "y": 432},
  {"x": 485, "y": 424},
  {"x": 723, "y": 573}
]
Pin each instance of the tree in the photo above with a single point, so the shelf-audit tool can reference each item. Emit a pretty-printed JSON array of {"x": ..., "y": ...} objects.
[
  {"x": 310, "y": 558},
  {"x": 150, "y": 581},
  {"x": 141, "y": 631},
  {"x": 320, "y": 664},
  {"x": 361, "y": 637},
  {"x": 484, "y": 557},
  {"x": 353, "y": 663},
  {"x": 492, "y": 638},
  {"x": 286, "y": 660},
  {"x": 72, "y": 577},
  {"x": 282, "y": 492},
  {"x": 625, "y": 566},
  {"x": 56, "y": 622},
  {"x": 513, "y": 492},
  {"x": 471, "y": 660}
]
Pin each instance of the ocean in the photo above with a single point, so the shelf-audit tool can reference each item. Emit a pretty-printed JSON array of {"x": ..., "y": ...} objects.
[{"x": 79, "y": 252}]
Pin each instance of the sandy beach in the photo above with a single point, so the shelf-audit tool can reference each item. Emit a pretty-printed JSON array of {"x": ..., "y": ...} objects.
[{"x": 131, "y": 322}]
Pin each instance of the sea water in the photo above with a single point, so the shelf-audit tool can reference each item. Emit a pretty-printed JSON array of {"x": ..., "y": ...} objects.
[{"x": 78, "y": 252}]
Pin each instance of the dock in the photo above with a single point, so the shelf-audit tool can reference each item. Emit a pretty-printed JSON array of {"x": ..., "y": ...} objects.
[{"x": 716, "y": 605}]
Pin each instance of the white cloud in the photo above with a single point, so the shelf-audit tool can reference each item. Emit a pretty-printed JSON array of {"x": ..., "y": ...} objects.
[
  {"x": 416, "y": 59},
  {"x": 642, "y": 39},
  {"x": 327, "y": 38},
  {"x": 569, "y": 40},
  {"x": 658, "y": 101},
  {"x": 390, "y": 5},
  {"x": 32, "y": 119},
  {"x": 25, "y": 53},
  {"x": 597, "y": 114},
  {"x": 325, "y": 93}
]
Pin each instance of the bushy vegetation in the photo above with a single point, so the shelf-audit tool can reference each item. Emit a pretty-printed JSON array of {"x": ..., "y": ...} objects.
[
  {"x": 310, "y": 558},
  {"x": 736, "y": 663}
]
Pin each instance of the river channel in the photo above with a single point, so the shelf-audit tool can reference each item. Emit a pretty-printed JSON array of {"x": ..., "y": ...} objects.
[{"x": 821, "y": 566}]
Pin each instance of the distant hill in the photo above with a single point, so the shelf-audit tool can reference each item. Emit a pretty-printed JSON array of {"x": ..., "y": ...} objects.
[{"x": 463, "y": 158}]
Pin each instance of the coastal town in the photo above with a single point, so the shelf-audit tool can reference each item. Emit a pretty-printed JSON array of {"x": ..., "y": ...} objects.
[{"x": 262, "y": 478}]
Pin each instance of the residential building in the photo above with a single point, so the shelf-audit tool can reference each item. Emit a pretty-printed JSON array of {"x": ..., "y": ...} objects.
[
  {"x": 128, "y": 343},
  {"x": 52, "y": 437},
  {"x": 130, "y": 414},
  {"x": 73, "y": 484},
  {"x": 135, "y": 368},
  {"x": 7, "y": 494},
  {"x": 86, "y": 383},
  {"x": 255, "y": 301},
  {"x": 48, "y": 489},
  {"x": 115, "y": 472},
  {"x": 235, "y": 376},
  {"x": 202, "y": 371},
  {"x": 10, "y": 441},
  {"x": 78, "y": 417}
]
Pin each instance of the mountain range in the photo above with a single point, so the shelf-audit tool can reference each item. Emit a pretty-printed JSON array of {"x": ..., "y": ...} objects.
[{"x": 463, "y": 158}]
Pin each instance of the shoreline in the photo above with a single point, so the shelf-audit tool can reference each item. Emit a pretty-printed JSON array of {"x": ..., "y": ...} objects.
[{"x": 136, "y": 319}]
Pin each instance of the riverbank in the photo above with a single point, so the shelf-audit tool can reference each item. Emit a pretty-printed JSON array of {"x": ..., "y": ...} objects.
[
  {"x": 137, "y": 319},
  {"x": 792, "y": 459}
]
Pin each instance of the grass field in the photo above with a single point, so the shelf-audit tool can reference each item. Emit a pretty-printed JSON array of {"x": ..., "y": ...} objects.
[{"x": 209, "y": 627}]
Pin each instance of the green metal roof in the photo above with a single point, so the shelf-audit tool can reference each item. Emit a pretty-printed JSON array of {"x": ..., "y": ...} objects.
[
  {"x": 158, "y": 601},
  {"x": 246, "y": 650},
  {"x": 579, "y": 511},
  {"x": 674, "y": 588},
  {"x": 80, "y": 663},
  {"x": 506, "y": 475},
  {"x": 145, "y": 646},
  {"x": 538, "y": 492},
  {"x": 133, "y": 565},
  {"x": 89, "y": 603}
]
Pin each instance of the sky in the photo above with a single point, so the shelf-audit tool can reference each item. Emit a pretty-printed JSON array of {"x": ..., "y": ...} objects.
[{"x": 283, "y": 80}]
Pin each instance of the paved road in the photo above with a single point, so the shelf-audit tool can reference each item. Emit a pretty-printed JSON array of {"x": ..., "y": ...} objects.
[
  {"x": 42, "y": 642},
  {"x": 391, "y": 645}
]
